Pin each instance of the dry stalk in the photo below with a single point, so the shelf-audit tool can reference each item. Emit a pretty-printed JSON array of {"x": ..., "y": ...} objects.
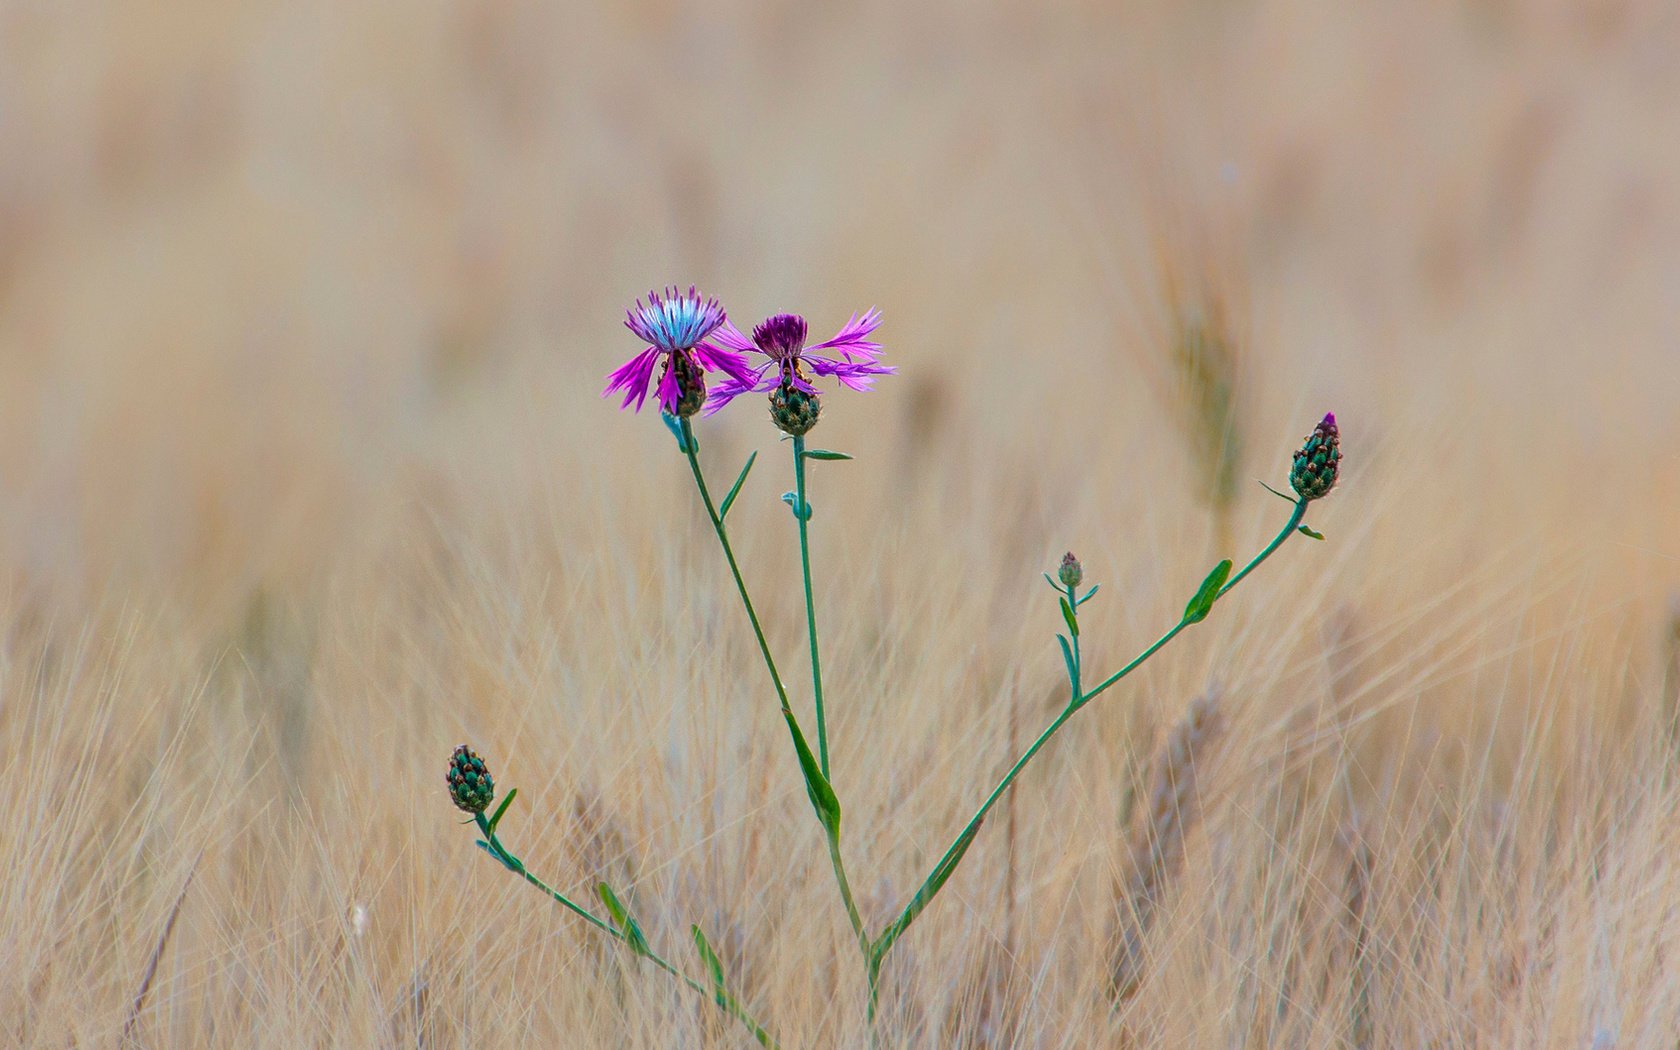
[
  {"x": 1158, "y": 850},
  {"x": 146, "y": 979}
]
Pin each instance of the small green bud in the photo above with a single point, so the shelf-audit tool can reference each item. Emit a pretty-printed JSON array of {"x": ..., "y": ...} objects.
[
  {"x": 793, "y": 410},
  {"x": 1319, "y": 461},
  {"x": 1071, "y": 571},
  {"x": 471, "y": 787}
]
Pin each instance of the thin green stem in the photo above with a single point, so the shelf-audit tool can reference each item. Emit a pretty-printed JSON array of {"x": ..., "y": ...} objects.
[
  {"x": 953, "y": 855},
  {"x": 691, "y": 449},
  {"x": 514, "y": 864},
  {"x": 802, "y": 511},
  {"x": 1073, "y": 606}
]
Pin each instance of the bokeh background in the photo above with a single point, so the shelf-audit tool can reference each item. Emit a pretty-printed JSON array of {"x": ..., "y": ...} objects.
[{"x": 304, "y": 478}]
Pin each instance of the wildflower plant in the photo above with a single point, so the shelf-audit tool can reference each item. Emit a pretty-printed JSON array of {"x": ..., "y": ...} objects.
[{"x": 690, "y": 336}]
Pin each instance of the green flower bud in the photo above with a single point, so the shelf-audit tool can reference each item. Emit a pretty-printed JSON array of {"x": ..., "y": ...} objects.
[
  {"x": 471, "y": 787},
  {"x": 1071, "y": 571},
  {"x": 793, "y": 410},
  {"x": 1319, "y": 461}
]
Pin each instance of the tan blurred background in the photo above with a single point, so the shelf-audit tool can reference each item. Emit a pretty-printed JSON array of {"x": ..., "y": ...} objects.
[
  {"x": 259, "y": 264},
  {"x": 305, "y": 310}
]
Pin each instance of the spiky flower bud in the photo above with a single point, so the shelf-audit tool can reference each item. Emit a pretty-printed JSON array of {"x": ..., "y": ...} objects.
[
  {"x": 1318, "y": 462},
  {"x": 471, "y": 787},
  {"x": 793, "y": 410},
  {"x": 691, "y": 383},
  {"x": 1071, "y": 571}
]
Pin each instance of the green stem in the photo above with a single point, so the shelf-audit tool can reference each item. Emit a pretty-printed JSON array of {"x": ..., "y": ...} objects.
[
  {"x": 953, "y": 855},
  {"x": 691, "y": 449},
  {"x": 1073, "y": 605},
  {"x": 803, "y": 513},
  {"x": 514, "y": 864}
]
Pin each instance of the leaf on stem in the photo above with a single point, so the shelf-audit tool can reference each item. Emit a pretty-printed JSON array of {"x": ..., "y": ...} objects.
[
  {"x": 821, "y": 792},
  {"x": 823, "y": 453},
  {"x": 714, "y": 967},
  {"x": 800, "y": 510},
  {"x": 1067, "y": 658},
  {"x": 1067, "y": 614},
  {"x": 502, "y": 856},
  {"x": 1088, "y": 595},
  {"x": 1051, "y": 580},
  {"x": 1311, "y": 534},
  {"x": 674, "y": 425},
  {"x": 935, "y": 882},
  {"x": 1202, "y": 603},
  {"x": 496, "y": 818},
  {"x": 1276, "y": 493},
  {"x": 626, "y": 925},
  {"x": 735, "y": 489}
]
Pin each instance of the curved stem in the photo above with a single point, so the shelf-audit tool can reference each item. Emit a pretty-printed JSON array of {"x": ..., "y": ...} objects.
[
  {"x": 803, "y": 513},
  {"x": 690, "y": 449},
  {"x": 953, "y": 855},
  {"x": 514, "y": 864}
]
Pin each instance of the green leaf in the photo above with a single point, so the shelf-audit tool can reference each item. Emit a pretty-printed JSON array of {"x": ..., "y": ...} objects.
[
  {"x": 1202, "y": 603},
  {"x": 1088, "y": 595},
  {"x": 714, "y": 967},
  {"x": 502, "y": 857},
  {"x": 1308, "y": 532},
  {"x": 1067, "y": 614},
  {"x": 1053, "y": 584},
  {"x": 823, "y": 453},
  {"x": 735, "y": 489},
  {"x": 935, "y": 882},
  {"x": 674, "y": 425},
  {"x": 1278, "y": 494},
  {"x": 626, "y": 925},
  {"x": 800, "y": 510},
  {"x": 1067, "y": 658},
  {"x": 496, "y": 818},
  {"x": 821, "y": 792}
]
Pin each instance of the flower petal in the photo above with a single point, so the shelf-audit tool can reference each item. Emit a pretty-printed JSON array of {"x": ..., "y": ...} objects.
[{"x": 632, "y": 377}]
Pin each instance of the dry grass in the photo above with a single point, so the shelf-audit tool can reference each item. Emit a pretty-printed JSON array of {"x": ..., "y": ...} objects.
[{"x": 303, "y": 480}]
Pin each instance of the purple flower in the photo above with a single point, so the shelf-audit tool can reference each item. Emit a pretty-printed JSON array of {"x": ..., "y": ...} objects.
[
  {"x": 851, "y": 356},
  {"x": 676, "y": 328}
]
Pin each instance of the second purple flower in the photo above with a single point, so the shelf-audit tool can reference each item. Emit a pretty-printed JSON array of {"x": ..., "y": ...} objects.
[{"x": 851, "y": 357}]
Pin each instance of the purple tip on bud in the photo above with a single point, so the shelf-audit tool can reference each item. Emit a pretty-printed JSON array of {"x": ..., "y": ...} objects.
[{"x": 1318, "y": 463}]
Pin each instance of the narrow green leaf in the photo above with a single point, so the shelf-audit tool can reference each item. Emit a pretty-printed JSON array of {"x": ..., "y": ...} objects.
[
  {"x": 1088, "y": 595},
  {"x": 935, "y": 882},
  {"x": 1276, "y": 493},
  {"x": 1309, "y": 532},
  {"x": 501, "y": 857},
  {"x": 626, "y": 925},
  {"x": 823, "y": 453},
  {"x": 821, "y": 792},
  {"x": 1052, "y": 582},
  {"x": 735, "y": 489},
  {"x": 1067, "y": 658},
  {"x": 1202, "y": 603},
  {"x": 799, "y": 510},
  {"x": 674, "y": 425},
  {"x": 1067, "y": 614},
  {"x": 714, "y": 967},
  {"x": 496, "y": 818}
]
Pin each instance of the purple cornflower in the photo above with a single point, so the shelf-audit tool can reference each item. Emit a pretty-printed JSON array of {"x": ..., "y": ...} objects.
[
  {"x": 852, "y": 356},
  {"x": 676, "y": 328}
]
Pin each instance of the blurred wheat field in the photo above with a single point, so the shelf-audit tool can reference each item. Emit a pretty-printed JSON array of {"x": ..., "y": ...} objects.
[{"x": 304, "y": 479}]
